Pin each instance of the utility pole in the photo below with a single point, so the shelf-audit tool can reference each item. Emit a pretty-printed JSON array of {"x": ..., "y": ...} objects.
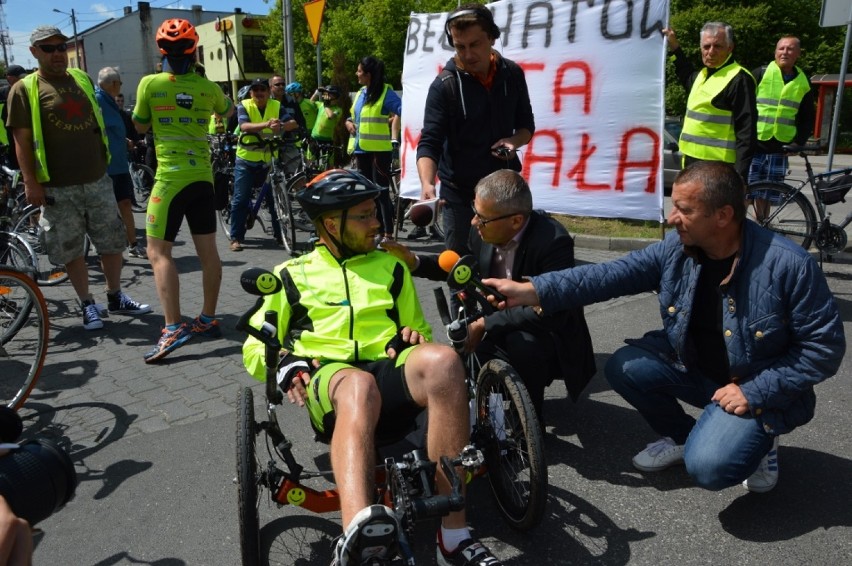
[
  {"x": 80, "y": 63},
  {"x": 4, "y": 34}
]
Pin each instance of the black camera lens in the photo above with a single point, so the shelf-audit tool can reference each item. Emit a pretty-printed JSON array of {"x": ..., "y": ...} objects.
[{"x": 37, "y": 479}]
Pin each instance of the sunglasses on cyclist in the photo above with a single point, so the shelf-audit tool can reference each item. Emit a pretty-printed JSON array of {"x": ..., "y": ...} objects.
[{"x": 48, "y": 48}]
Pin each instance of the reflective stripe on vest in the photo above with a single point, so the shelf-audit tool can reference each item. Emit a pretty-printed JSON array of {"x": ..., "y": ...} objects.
[
  {"x": 708, "y": 132},
  {"x": 85, "y": 84},
  {"x": 253, "y": 152},
  {"x": 778, "y": 104},
  {"x": 373, "y": 126}
]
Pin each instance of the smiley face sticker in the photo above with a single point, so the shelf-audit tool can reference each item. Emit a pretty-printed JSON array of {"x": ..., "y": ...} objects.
[
  {"x": 461, "y": 274},
  {"x": 266, "y": 283},
  {"x": 296, "y": 496}
]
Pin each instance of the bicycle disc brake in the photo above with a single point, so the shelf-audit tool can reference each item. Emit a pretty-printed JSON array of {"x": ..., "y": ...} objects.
[{"x": 832, "y": 239}]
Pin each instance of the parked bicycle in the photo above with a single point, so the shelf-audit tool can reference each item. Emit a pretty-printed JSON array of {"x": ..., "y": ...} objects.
[
  {"x": 24, "y": 336},
  {"x": 280, "y": 189},
  {"x": 788, "y": 210},
  {"x": 142, "y": 177}
]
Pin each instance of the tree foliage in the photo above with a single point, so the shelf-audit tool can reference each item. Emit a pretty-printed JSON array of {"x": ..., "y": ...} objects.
[{"x": 351, "y": 30}]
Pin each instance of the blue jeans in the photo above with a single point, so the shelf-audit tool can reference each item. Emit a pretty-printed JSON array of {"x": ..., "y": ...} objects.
[
  {"x": 248, "y": 174},
  {"x": 720, "y": 449}
]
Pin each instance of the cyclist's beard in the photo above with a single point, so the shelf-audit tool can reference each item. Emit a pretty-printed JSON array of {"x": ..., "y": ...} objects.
[{"x": 358, "y": 244}]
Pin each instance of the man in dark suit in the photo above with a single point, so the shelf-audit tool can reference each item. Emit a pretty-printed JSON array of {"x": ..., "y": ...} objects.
[{"x": 511, "y": 240}]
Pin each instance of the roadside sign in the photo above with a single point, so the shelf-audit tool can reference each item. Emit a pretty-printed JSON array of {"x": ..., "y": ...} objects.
[
  {"x": 835, "y": 13},
  {"x": 314, "y": 11}
]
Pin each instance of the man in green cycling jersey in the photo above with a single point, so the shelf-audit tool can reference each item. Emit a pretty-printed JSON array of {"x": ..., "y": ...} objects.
[
  {"x": 178, "y": 104},
  {"x": 357, "y": 354}
]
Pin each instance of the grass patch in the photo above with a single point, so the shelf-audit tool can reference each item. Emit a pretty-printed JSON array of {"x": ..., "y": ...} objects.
[{"x": 610, "y": 227}]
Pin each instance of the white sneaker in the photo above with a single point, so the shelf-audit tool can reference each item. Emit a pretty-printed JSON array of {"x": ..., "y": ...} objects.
[
  {"x": 372, "y": 534},
  {"x": 766, "y": 475},
  {"x": 659, "y": 455}
]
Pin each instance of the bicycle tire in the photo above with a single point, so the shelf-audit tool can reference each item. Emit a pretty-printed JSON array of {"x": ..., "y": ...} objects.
[
  {"x": 281, "y": 199},
  {"x": 143, "y": 183},
  {"x": 789, "y": 214},
  {"x": 225, "y": 214},
  {"x": 247, "y": 479},
  {"x": 23, "y": 345},
  {"x": 301, "y": 220},
  {"x": 47, "y": 272},
  {"x": 510, "y": 436}
]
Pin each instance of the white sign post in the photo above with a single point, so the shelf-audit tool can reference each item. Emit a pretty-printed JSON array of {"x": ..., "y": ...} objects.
[
  {"x": 837, "y": 13},
  {"x": 596, "y": 82}
]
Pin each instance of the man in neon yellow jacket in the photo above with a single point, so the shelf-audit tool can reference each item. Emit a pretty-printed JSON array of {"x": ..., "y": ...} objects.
[
  {"x": 359, "y": 356},
  {"x": 63, "y": 154},
  {"x": 721, "y": 113}
]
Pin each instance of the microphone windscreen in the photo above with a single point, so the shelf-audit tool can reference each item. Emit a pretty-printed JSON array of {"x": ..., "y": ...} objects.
[
  {"x": 447, "y": 260},
  {"x": 422, "y": 213}
]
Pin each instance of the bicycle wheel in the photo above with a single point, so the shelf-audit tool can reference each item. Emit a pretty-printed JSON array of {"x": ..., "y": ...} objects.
[
  {"x": 225, "y": 214},
  {"x": 17, "y": 253},
  {"x": 781, "y": 209},
  {"x": 247, "y": 479},
  {"x": 283, "y": 209},
  {"x": 47, "y": 272},
  {"x": 301, "y": 221},
  {"x": 23, "y": 342},
  {"x": 143, "y": 182},
  {"x": 509, "y": 434}
]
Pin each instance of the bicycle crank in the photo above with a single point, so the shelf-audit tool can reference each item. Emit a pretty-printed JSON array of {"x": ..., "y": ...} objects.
[{"x": 832, "y": 239}]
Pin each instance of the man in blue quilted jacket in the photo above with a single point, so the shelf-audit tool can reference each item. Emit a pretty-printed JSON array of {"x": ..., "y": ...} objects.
[{"x": 749, "y": 327}]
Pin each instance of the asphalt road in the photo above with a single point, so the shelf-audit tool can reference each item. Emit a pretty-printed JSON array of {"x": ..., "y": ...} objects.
[{"x": 154, "y": 449}]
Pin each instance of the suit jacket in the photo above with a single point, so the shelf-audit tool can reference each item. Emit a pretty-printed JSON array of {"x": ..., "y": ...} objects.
[{"x": 545, "y": 246}]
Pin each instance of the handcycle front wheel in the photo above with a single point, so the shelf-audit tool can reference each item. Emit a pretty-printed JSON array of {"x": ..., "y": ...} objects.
[
  {"x": 247, "y": 479},
  {"x": 509, "y": 434},
  {"x": 781, "y": 209},
  {"x": 24, "y": 334}
]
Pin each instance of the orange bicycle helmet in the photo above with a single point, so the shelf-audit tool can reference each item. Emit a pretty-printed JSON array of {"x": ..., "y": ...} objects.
[{"x": 177, "y": 37}]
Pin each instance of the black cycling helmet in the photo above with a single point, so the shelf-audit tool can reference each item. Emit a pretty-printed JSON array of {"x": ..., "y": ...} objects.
[
  {"x": 335, "y": 189},
  {"x": 333, "y": 91}
]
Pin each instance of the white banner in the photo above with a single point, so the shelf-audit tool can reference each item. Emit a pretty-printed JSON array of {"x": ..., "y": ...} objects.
[{"x": 596, "y": 81}]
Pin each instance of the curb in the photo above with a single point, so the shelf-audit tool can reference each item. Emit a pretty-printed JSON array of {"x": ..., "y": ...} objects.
[{"x": 612, "y": 244}]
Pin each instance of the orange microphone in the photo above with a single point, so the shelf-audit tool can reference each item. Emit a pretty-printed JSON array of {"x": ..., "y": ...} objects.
[{"x": 448, "y": 259}]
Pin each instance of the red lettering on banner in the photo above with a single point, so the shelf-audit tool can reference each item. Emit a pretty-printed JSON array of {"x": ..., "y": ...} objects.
[
  {"x": 527, "y": 67},
  {"x": 578, "y": 172},
  {"x": 409, "y": 141},
  {"x": 583, "y": 89},
  {"x": 652, "y": 163},
  {"x": 551, "y": 157}
]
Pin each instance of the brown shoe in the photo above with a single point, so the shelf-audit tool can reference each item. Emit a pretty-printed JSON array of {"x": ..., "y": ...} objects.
[{"x": 236, "y": 246}]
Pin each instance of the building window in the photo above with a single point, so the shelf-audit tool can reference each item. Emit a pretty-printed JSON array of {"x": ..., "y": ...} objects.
[{"x": 253, "y": 57}]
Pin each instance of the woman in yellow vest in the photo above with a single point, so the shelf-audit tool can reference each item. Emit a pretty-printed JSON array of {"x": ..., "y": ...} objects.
[{"x": 374, "y": 127}]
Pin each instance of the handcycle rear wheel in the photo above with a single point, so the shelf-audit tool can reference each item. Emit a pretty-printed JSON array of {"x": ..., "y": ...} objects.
[
  {"x": 247, "y": 479},
  {"x": 509, "y": 435},
  {"x": 779, "y": 208},
  {"x": 24, "y": 333}
]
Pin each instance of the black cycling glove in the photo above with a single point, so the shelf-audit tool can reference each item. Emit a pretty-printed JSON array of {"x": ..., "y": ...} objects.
[{"x": 289, "y": 367}]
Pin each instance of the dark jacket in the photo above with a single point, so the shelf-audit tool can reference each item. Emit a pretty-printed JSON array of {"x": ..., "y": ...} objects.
[
  {"x": 738, "y": 97},
  {"x": 783, "y": 331},
  {"x": 545, "y": 246},
  {"x": 462, "y": 120}
]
